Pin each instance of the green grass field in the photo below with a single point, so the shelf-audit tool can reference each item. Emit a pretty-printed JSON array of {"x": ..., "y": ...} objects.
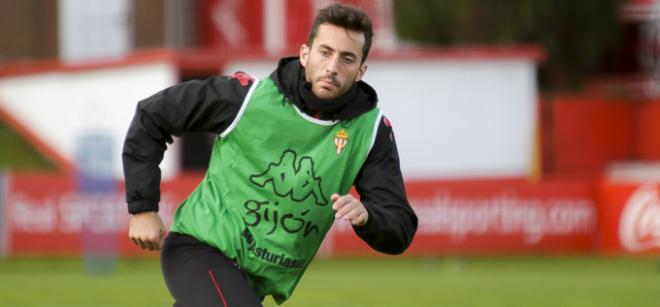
[
  {"x": 532, "y": 281},
  {"x": 16, "y": 153}
]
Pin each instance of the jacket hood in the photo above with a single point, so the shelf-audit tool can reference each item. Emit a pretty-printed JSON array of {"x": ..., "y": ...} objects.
[{"x": 289, "y": 78}]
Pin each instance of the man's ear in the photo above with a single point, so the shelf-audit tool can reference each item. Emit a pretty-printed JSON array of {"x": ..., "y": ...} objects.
[
  {"x": 361, "y": 72},
  {"x": 304, "y": 54}
]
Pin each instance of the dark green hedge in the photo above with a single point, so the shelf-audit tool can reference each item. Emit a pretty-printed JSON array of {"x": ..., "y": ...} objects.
[{"x": 577, "y": 35}]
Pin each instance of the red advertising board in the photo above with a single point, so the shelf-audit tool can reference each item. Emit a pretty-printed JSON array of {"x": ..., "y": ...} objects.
[
  {"x": 43, "y": 214},
  {"x": 629, "y": 218},
  {"x": 494, "y": 217}
]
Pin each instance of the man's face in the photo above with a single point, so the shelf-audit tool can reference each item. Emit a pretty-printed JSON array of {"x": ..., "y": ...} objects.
[{"x": 332, "y": 62}]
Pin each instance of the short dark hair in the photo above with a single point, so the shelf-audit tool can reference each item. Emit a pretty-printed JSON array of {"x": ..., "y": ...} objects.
[{"x": 347, "y": 17}]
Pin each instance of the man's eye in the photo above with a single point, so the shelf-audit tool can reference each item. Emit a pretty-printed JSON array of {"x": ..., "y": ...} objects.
[
  {"x": 325, "y": 53},
  {"x": 349, "y": 60}
]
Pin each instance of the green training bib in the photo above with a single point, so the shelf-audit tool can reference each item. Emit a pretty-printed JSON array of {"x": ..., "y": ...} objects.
[{"x": 265, "y": 199}]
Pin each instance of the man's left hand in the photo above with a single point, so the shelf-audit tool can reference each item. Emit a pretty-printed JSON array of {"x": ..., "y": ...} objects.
[{"x": 349, "y": 209}]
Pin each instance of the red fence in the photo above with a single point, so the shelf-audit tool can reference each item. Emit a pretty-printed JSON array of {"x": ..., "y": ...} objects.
[{"x": 43, "y": 214}]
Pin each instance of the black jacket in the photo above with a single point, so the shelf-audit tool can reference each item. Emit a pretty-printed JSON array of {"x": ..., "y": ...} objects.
[{"x": 211, "y": 106}]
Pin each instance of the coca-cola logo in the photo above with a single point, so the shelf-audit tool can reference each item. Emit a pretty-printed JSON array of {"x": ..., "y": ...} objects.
[{"x": 639, "y": 229}]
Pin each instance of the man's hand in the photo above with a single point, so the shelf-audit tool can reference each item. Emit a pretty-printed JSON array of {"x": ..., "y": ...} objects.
[
  {"x": 349, "y": 209},
  {"x": 146, "y": 230}
]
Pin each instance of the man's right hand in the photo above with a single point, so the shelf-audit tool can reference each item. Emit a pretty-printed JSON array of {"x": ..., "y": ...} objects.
[{"x": 146, "y": 230}]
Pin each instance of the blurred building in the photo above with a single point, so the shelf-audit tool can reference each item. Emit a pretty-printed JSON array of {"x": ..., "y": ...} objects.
[
  {"x": 80, "y": 29},
  {"x": 98, "y": 29},
  {"x": 209, "y": 31}
]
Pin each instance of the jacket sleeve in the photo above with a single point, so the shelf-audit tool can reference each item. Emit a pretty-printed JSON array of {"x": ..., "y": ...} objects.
[
  {"x": 194, "y": 106},
  {"x": 392, "y": 223}
]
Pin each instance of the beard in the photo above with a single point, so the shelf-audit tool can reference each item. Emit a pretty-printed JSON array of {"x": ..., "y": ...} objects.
[{"x": 327, "y": 87}]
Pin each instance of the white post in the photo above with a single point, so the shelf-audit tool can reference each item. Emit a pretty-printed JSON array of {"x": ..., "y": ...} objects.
[{"x": 274, "y": 34}]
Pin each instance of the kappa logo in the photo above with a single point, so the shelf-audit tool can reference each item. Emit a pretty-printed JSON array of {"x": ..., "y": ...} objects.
[
  {"x": 640, "y": 220},
  {"x": 292, "y": 177}
]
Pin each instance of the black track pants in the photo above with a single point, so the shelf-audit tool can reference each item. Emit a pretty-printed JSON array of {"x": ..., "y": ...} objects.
[{"x": 200, "y": 275}]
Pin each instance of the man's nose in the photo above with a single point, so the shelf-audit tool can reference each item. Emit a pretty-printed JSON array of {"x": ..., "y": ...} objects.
[{"x": 331, "y": 68}]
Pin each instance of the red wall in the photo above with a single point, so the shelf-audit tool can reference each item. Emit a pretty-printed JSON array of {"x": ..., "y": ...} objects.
[
  {"x": 244, "y": 18},
  {"x": 586, "y": 134},
  {"x": 648, "y": 131},
  {"x": 589, "y": 133}
]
